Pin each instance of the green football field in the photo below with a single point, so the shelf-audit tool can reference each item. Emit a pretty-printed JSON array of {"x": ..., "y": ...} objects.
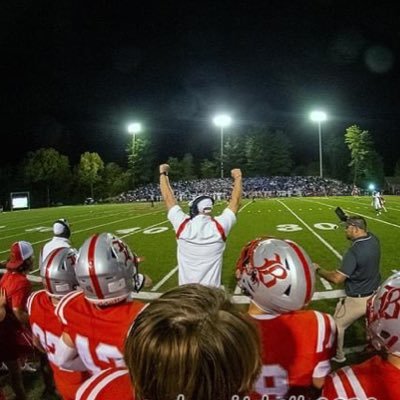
[{"x": 311, "y": 222}]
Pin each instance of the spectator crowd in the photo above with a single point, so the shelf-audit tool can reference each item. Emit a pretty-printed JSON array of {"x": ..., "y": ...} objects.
[{"x": 261, "y": 187}]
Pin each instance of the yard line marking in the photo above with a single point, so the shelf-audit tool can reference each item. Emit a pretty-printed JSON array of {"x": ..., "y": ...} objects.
[
  {"x": 334, "y": 251},
  {"x": 99, "y": 226},
  {"x": 122, "y": 236},
  {"x": 163, "y": 280},
  {"x": 242, "y": 208},
  {"x": 362, "y": 215},
  {"x": 325, "y": 283}
]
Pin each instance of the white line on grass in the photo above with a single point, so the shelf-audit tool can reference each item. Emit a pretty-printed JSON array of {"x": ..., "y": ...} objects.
[
  {"x": 163, "y": 280},
  {"x": 362, "y": 215},
  {"x": 335, "y": 252},
  {"x": 325, "y": 283},
  {"x": 242, "y": 208}
]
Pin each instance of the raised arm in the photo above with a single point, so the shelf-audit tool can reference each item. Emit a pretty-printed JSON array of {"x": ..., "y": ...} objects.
[
  {"x": 165, "y": 187},
  {"x": 236, "y": 191}
]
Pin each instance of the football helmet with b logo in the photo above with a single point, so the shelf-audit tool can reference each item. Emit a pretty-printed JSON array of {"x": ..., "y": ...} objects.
[
  {"x": 383, "y": 316},
  {"x": 58, "y": 272},
  {"x": 276, "y": 274},
  {"x": 107, "y": 270}
]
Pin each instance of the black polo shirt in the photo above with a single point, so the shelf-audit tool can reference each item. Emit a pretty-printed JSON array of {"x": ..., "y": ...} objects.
[{"x": 361, "y": 266}]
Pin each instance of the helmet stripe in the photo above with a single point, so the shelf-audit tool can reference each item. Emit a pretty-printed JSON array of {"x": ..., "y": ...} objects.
[
  {"x": 92, "y": 271},
  {"x": 306, "y": 269},
  {"x": 48, "y": 265}
]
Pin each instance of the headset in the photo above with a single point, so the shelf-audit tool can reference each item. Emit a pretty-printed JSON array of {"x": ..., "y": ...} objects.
[
  {"x": 64, "y": 223},
  {"x": 193, "y": 205}
]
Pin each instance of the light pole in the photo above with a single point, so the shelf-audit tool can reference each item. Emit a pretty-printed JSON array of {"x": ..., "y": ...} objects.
[
  {"x": 319, "y": 116},
  {"x": 134, "y": 128},
  {"x": 222, "y": 121}
]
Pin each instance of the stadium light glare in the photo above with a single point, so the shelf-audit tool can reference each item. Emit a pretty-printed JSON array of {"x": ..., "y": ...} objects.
[
  {"x": 319, "y": 116},
  {"x": 371, "y": 186},
  {"x": 222, "y": 121}
]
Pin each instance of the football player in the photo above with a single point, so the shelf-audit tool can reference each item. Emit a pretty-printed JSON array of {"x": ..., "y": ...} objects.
[
  {"x": 97, "y": 318},
  {"x": 58, "y": 278},
  {"x": 297, "y": 344},
  {"x": 379, "y": 376},
  {"x": 111, "y": 383}
]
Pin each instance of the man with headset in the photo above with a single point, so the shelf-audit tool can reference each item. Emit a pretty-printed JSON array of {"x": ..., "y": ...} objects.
[
  {"x": 61, "y": 238},
  {"x": 201, "y": 237}
]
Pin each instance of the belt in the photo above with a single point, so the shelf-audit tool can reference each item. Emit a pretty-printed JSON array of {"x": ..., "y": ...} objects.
[{"x": 363, "y": 295}]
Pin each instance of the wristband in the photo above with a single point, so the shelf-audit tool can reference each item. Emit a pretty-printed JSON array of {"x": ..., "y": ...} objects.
[{"x": 164, "y": 173}]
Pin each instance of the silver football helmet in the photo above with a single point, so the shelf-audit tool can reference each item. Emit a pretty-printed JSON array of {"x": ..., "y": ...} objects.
[
  {"x": 383, "y": 316},
  {"x": 58, "y": 272},
  {"x": 276, "y": 274},
  {"x": 107, "y": 270}
]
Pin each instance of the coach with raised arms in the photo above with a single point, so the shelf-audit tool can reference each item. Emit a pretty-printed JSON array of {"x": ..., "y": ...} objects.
[{"x": 201, "y": 237}]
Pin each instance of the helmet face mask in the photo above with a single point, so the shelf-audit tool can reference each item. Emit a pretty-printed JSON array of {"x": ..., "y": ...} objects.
[
  {"x": 58, "y": 272},
  {"x": 276, "y": 274},
  {"x": 107, "y": 270},
  {"x": 383, "y": 316}
]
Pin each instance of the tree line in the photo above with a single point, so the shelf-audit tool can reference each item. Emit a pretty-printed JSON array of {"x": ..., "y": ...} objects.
[{"x": 51, "y": 179}]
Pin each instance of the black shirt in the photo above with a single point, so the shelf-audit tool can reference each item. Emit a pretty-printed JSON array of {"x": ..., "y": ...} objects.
[{"x": 361, "y": 266}]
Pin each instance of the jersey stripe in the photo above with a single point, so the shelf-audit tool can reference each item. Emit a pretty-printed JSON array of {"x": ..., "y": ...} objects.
[
  {"x": 61, "y": 305},
  {"x": 321, "y": 331},
  {"x": 182, "y": 227},
  {"x": 30, "y": 300},
  {"x": 355, "y": 384},
  {"x": 87, "y": 387},
  {"x": 92, "y": 271},
  {"x": 346, "y": 383},
  {"x": 220, "y": 229},
  {"x": 98, "y": 384},
  {"x": 333, "y": 332},
  {"x": 337, "y": 383}
]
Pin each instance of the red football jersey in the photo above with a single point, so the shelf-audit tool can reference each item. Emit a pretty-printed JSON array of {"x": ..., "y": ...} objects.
[
  {"x": 48, "y": 329},
  {"x": 112, "y": 383},
  {"x": 98, "y": 332},
  {"x": 296, "y": 347},
  {"x": 373, "y": 379}
]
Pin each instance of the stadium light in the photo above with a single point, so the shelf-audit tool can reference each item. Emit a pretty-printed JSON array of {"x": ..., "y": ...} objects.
[
  {"x": 371, "y": 187},
  {"x": 222, "y": 121},
  {"x": 319, "y": 116},
  {"x": 134, "y": 128}
]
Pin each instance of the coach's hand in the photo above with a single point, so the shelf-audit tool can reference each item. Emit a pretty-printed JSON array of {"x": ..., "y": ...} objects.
[
  {"x": 236, "y": 173},
  {"x": 164, "y": 168}
]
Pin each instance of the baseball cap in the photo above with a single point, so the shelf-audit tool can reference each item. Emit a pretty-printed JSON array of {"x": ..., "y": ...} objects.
[
  {"x": 205, "y": 205},
  {"x": 61, "y": 227},
  {"x": 19, "y": 252}
]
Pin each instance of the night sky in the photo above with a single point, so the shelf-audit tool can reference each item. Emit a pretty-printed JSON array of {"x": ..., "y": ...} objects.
[{"x": 74, "y": 73}]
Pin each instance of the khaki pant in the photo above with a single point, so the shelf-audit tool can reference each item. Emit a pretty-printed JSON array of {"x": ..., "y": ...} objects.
[{"x": 348, "y": 310}]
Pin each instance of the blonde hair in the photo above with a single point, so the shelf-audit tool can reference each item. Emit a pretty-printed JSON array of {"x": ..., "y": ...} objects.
[{"x": 192, "y": 342}]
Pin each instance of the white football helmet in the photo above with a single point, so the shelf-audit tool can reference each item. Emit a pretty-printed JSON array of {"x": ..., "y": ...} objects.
[
  {"x": 58, "y": 272},
  {"x": 383, "y": 316},
  {"x": 107, "y": 270},
  {"x": 277, "y": 274}
]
